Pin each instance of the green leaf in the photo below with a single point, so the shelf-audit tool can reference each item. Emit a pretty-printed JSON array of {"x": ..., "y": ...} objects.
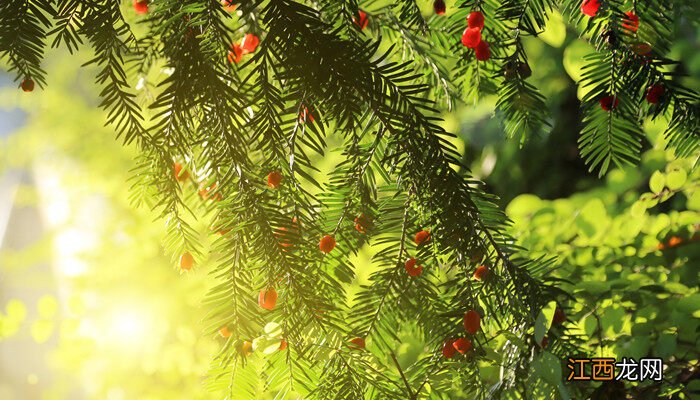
[
  {"x": 544, "y": 321},
  {"x": 689, "y": 304},
  {"x": 563, "y": 392},
  {"x": 548, "y": 368},
  {"x": 676, "y": 179},
  {"x": 657, "y": 182},
  {"x": 592, "y": 218},
  {"x": 638, "y": 209},
  {"x": 666, "y": 345},
  {"x": 554, "y": 33}
]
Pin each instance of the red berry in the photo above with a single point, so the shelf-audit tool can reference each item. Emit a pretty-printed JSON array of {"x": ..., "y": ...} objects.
[
  {"x": 236, "y": 54},
  {"x": 471, "y": 37},
  {"x": 482, "y": 51},
  {"x": 229, "y": 5},
  {"x": 267, "y": 299},
  {"x": 362, "y": 223},
  {"x": 282, "y": 234},
  {"x": 358, "y": 343},
  {"x": 27, "y": 85},
  {"x": 422, "y": 237},
  {"x": 274, "y": 179},
  {"x": 411, "y": 267},
  {"x": 559, "y": 316},
  {"x": 224, "y": 332},
  {"x": 631, "y": 22},
  {"x": 327, "y": 244},
  {"x": 654, "y": 93},
  {"x": 220, "y": 231},
  {"x": 481, "y": 273},
  {"x": 472, "y": 321},
  {"x": 641, "y": 48},
  {"x": 205, "y": 192},
  {"x": 674, "y": 241},
  {"x": 439, "y": 7},
  {"x": 362, "y": 21},
  {"x": 462, "y": 345},
  {"x": 475, "y": 20},
  {"x": 246, "y": 348},
  {"x": 141, "y": 6},
  {"x": 186, "y": 261},
  {"x": 180, "y": 174},
  {"x": 590, "y": 7},
  {"x": 249, "y": 43},
  {"x": 608, "y": 103},
  {"x": 283, "y": 345},
  {"x": 448, "y": 348},
  {"x": 305, "y": 114}
]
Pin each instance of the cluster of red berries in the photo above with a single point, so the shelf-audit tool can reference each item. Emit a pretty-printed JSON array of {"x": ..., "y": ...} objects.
[
  {"x": 471, "y": 322},
  {"x": 423, "y": 236},
  {"x": 246, "y": 46},
  {"x": 629, "y": 22},
  {"x": 472, "y": 39},
  {"x": 653, "y": 95}
]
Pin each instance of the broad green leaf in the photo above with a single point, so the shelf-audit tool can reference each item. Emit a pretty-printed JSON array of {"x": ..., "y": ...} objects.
[
  {"x": 554, "y": 33},
  {"x": 548, "y": 368},
  {"x": 544, "y": 320},
  {"x": 563, "y": 392},
  {"x": 657, "y": 182},
  {"x": 665, "y": 345},
  {"x": 689, "y": 304},
  {"x": 573, "y": 58},
  {"x": 676, "y": 179},
  {"x": 592, "y": 218}
]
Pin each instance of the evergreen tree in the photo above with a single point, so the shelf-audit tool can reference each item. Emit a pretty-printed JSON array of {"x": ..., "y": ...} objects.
[{"x": 255, "y": 89}]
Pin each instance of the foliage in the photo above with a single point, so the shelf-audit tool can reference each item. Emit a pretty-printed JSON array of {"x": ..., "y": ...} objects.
[{"x": 627, "y": 256}]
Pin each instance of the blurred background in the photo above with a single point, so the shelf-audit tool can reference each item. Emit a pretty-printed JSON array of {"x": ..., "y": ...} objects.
[{"x": 91, "y": 307}]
